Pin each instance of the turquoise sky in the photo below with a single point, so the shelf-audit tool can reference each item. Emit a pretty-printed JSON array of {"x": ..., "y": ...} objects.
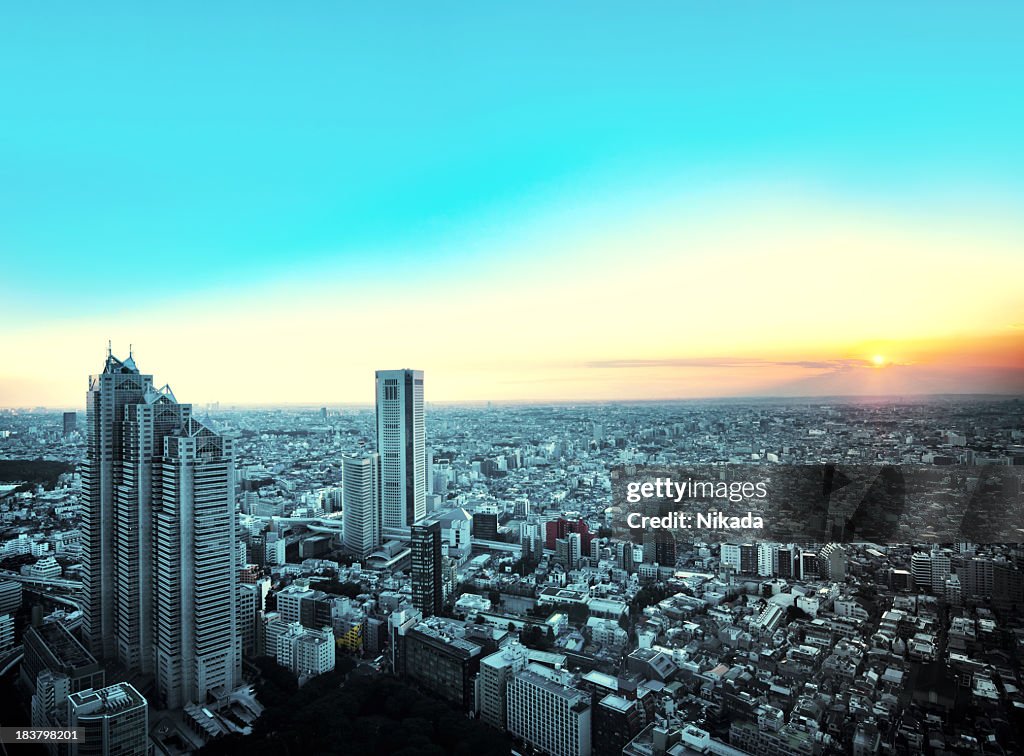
[{"x": 146, "y": 152}]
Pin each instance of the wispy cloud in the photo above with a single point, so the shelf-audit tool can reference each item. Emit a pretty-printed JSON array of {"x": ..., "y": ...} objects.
[{"x": 730, "y": 362}]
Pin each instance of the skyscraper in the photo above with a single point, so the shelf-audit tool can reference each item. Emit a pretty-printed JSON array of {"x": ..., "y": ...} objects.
[
  {"x": 361, "y": 501},
  {"x": 118, "y": 385},
  {"x": 427, "y": 588},
  {"x": 159, "y": 577},
  {"x": 197, "y": 643},
  {"x": 401, "y": 443},
  {"x": 70, "y": 423}
]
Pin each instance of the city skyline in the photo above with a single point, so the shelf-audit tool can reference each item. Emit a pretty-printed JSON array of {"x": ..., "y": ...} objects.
[{"x": 625, "y": 213}]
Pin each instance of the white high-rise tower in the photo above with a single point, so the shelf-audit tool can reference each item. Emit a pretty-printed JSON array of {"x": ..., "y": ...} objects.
[
  {"x": 401, "y": 443},
  {"x": 361, "y": 501}
]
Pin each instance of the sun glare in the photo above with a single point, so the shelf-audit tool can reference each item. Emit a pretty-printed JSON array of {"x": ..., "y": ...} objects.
[{"x": 878, "y": 360}]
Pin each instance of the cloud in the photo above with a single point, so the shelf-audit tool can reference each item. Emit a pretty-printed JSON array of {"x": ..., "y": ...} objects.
[{"x": 730, "y": 362}]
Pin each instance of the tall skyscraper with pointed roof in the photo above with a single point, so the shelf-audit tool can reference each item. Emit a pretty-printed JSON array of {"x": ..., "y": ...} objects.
[{"x": 160, "y": 540}]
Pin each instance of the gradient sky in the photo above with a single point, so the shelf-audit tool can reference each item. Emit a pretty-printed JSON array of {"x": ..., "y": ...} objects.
[{"x": 588, "y": 201}]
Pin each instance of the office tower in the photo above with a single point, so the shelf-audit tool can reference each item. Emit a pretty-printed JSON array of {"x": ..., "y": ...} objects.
[
  {"x": 485, "y": 523},
  {"x": 767, "y": 559},
  {"x": 401, "y": 443},
  {"x": 361, "y": 509},
  {"x": 70, "y": 423},
  {"x": 495, "y": 672},
  {"x": 441, "y": 662},
  {"x": 531, "y": 539},
  {"x": 550, "y": 715},
  {"x": 567, "y": 551},
  {"x": 10, "y": 596},
  {"x": 940, "y": 570},
  {"x": 197, "y": 642},
  {"x": 809, "y": 567},
  {"x": 617, "y": 720},
  {"x": 921, "y": 569},
  {"x": 730, "y": 556},
  {"x": 427, "y": 590},
  {"x": 248, "y": 600},
  {"x": 118, "y": 385},
  {"x": 159, "y": 549},
  {"x": 113, "y": 720},
  {"x": 784, "y": 561},
  {"x": 832, "y": 562}
]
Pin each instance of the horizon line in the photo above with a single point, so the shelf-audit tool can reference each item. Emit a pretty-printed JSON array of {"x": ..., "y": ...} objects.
[{"x": 847, "y": 398}]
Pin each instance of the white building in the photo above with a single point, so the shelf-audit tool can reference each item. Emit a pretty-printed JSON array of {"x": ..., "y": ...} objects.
[
  {"x": 306, "y": 652},
  {"x": 731, "y": 555},
  {"x": 495, "y": 672},
  {"x": 360, "y": 502},
  {"x": 549, "y": 714},
  {"x": 401, "y": 443},
  {"x": 45, "y": 568}
]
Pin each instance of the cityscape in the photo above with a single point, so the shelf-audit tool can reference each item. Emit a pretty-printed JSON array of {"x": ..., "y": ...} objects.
[
  {"x": 418, "y": 577},
  {"x": 519, "y": 379}
]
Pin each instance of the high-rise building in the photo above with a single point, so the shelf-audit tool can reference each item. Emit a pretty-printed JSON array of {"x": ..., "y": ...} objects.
[
  {"x": 549, "y": 714},
  {"x": 441, "y": 662},
  {"x": 361, "y": 502},
  {"x": 567, "y": 551},
  {"x": 485, "y": 522},
  {"x": 118, "y": 385},
  {"x": 495, "y": 672},
  {"x": 427, "y": 587},
  {"x": 10, "y": 596},
  {"x": 730, "y": 556},
  {"x": 832, "y": 562},
  {"x": 921, "y": 569},
  {"x": 113, "y": 720},
  {"x": 159, "y": 573},
  {"x": 617, "y": 720},
  {"x": 401, "y": 443},
  {"x": 70, "y": 423}
]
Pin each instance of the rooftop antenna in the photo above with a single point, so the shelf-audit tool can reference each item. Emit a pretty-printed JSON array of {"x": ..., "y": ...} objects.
[
  {"x": 109, "y": 346},
  {"x": 129, "y": 351}
]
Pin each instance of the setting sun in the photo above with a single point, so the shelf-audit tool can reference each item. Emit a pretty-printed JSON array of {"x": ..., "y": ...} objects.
[{"x": 879, "y": 360}]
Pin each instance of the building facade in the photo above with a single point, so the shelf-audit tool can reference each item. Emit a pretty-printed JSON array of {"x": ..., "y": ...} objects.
[
  {"x": 401, "y": 443},
  {"x": 361, "y": 503}
]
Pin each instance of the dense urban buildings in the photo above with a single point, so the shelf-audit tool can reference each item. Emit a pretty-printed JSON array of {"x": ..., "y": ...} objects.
[{"x": 512, "y": 597}]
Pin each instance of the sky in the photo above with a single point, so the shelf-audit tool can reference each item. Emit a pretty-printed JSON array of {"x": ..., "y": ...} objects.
[{"x": 530, "y": 203}]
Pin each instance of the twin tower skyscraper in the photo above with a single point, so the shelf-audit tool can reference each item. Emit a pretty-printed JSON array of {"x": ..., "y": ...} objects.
[
  {"x": 160, "y": 559},
  {"x": 385, "y": 492}
]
